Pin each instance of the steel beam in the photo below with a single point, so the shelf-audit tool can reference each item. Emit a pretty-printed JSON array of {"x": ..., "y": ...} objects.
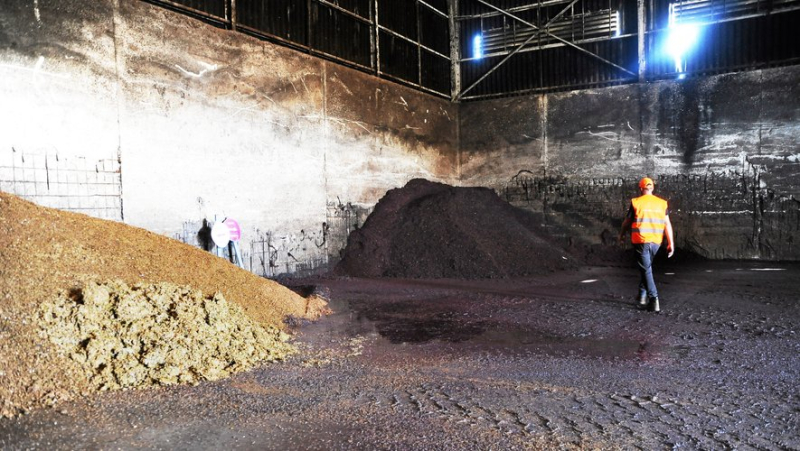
[
  {"x": 496, "y": 66},
  {"x": 377, "y": 29},
  {"x": 455, "y": 49},
  {"x": 547, "y": 46},
  {"x": 432, "y": 8},
  {"x": 641, "y": 29},
  {"x": 515, "y": 9},
  {"x": 570, "y": 44},
  {"x": 411, "y": 41},
  {"x": 419, "y": 44},
  {"x": 344, "y": 11}
]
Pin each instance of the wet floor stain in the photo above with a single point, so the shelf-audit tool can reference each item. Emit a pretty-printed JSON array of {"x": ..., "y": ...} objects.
[
  {"x": 425, "y": 330},
  {"x": 411, "y": 322}
]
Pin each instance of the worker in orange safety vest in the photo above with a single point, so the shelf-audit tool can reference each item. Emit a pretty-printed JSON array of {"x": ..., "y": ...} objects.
[{"x": 648, "y": 220}]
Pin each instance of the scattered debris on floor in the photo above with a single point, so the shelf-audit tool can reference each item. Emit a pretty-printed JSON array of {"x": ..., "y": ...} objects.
[
  {"x": 433, "y": 230},
  {"x": 44, "y": 252}
]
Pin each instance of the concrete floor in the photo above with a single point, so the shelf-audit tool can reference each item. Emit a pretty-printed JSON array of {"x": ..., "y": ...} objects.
[{"x": 561, "y": 361}]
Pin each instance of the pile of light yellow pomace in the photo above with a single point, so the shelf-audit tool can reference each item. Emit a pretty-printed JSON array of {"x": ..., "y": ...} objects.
[
  {"x": 89, "y": 304},
  {"x": 159, "y": 334}
]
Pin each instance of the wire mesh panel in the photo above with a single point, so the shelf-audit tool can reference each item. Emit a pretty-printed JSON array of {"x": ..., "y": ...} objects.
[{"x": 89, "y": 186}]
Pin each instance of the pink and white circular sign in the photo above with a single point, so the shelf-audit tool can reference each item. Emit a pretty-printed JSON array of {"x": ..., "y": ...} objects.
[{"x": 233, "y": 228}]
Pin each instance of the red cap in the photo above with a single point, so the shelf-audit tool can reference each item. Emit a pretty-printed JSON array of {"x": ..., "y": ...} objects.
[{"x": 646, "y": 181}]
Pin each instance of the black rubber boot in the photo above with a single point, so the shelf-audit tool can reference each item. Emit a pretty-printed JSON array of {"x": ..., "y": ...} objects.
[{"x": 654, "y": 307}]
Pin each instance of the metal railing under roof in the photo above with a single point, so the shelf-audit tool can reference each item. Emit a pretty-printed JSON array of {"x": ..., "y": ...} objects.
[
  {"x": 528, "y": 46},
  {"x": 711, "y": 11},
  {"x": 577, "y": 27},
  {"x": 382, "y": 37},
  {"x": 618, "y": 40}
]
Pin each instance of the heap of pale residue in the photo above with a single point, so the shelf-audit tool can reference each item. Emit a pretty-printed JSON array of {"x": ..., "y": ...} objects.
[
  {"x": 44, "y": 252},
  {"x": 157, "y": 334}
]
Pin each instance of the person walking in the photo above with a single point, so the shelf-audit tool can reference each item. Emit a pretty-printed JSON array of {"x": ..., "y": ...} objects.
[{"x": 648, "y": 220}]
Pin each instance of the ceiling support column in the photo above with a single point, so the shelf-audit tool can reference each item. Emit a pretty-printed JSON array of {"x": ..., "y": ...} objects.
[
  {"x": 642, "y": 32},
  {"x": 455, "y": 49}
]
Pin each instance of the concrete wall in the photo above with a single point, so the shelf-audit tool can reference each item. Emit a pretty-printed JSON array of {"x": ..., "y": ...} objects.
[
  {"x": 130, "y": 112},
  {"x": 724, "y": 150},
  {"x": 126, "y": 111}
]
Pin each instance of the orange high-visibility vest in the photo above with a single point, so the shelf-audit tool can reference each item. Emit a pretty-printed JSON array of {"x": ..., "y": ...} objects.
[{"x": 649, "y": 219}]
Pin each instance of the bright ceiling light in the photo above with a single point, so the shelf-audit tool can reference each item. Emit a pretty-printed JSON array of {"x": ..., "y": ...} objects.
[
  {"x": 477, "y": 46},
  {"x": 681, "y": 39}
]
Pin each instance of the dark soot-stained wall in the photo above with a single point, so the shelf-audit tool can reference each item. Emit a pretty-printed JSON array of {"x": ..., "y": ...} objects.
[{"x": 724, "y": 150}]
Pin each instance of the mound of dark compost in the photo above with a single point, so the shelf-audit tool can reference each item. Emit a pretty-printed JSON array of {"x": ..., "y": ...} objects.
[{"x": 433, "y": 230}]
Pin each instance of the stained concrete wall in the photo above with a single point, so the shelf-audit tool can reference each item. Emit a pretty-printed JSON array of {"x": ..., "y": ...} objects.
[
  {"x": 724, "y": 150},
  {"x": 126, "y": 111}
]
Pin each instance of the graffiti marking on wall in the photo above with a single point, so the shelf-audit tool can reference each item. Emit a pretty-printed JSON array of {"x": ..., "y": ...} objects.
[
  {"x": 731, "y": 213},
  {"x": 207, "y": 68}
]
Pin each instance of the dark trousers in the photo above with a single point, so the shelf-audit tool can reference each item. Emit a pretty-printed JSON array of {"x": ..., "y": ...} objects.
[{"x": 645, "y": 253}]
